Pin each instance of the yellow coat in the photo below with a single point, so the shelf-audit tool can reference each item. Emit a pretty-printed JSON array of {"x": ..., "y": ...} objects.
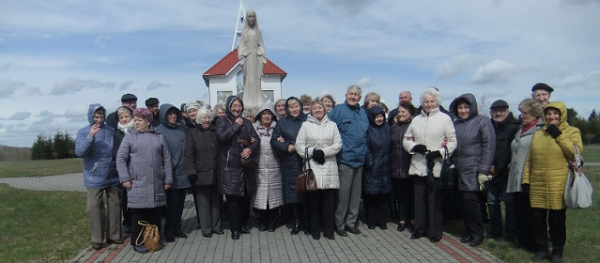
[{"x": 547, "y": 168}]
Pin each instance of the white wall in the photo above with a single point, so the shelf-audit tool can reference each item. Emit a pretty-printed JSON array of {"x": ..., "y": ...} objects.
[{"x": 228, "y": 83}]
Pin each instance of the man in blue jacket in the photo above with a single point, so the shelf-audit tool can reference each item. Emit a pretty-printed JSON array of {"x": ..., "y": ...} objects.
[
  {"x": 352, "y": 122},
  {"x": 94, "y": 144}
]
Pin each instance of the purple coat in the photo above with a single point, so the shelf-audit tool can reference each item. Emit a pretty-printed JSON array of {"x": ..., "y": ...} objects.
[{"x": 144, "y": 159}]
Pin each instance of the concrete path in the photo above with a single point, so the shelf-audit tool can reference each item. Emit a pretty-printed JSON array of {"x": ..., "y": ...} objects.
[{"x": 372, "y": 246}]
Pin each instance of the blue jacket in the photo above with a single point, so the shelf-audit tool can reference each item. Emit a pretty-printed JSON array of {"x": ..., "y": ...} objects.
[
  {"x": 176, "y": 137},
  {"x": 352, "y": 123},
  {"x": 99, "y": 170}
]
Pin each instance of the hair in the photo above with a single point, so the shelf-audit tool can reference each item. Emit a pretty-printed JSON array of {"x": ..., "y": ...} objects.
[
  {"x": 354, "y": 87},
  {"x": 384, "y": 107},
  {"x": 201, "y": 113},
  {"x": 371, "y": 95},
  {"x": 122, "y": 110},
  {"x": 305, "y": 99},
  {"x": 219, "y": 107},
  {"x": 292, "y": 102},
  {"x": 270, "y": 111},
  {"x": 278, "y": 101},
  {"x": 100, "y": 110},
  {"x": 144, "y": 113},
  {"x": 532, "y": 106},
  {"x": 318, "y": 101},
  {"x": 246, "y": 112},
  {"x": 408, "y": 106},
  {"x": 329, "y": 96},
  {"x": 409, "y": 93},
  {"x": 434, "y": 92}
]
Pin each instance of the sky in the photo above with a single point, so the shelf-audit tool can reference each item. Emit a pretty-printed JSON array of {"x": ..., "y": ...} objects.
[{"x": 57, "y": 57}]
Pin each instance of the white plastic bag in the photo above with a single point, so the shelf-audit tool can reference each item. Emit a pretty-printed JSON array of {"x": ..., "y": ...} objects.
[{"x": 578, "y": 191}]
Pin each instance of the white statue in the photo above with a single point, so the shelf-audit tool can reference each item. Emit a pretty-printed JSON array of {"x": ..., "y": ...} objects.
[{"x": 251, "y": 53}]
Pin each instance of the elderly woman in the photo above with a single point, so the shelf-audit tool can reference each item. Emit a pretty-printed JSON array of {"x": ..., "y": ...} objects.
[
  {"x": 283, "y": 142},
  {"x": 268, "y": 197},
  {"x": 280, "y": 108},
  {"x": 377, "y": 182},
  {"x": 192, "y": 111},
  {"x": 219, "y": 111},
  {"x": 531, "y": 121},
  {"x": 145, "y": 170},
  {"x": 545, "y": 174},
  {"x": 473, "y": 158},
  {"x": 236, "y": 182},
  {"x": 124, "y": 123},
  {"x": 328, "y": 101},
  {"x": 402, "y": 183},
  {"x": 201, "y": 164},
  {"x": 306, "y": 102},
  {"x": 320, "y": 139},
  {"x": 371, "y": 99},
  {"x": 175, "y": 135},
  {"x": 423, "y": 140}
]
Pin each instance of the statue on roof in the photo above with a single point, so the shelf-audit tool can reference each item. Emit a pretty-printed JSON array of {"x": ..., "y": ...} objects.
[{"x": 251, "y": 53}]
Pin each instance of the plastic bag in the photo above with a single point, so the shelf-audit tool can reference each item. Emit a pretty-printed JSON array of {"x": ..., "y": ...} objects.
[{"x": 578, "y": 191}]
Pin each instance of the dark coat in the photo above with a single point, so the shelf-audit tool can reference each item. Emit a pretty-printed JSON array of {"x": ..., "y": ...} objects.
[
  {"x": 232, "y": 178},
  {"x": 401, "y": 158},
  {"x": 476, "y": 144},
  {"x": 291, "y": 163},
  {"x": 201, "y": 154},
  {"x": 376, "y": 176},
  {"x": 505, "y": 134},
  {"x": 175, "y": 136},
  {"x": 119, "y": 134}
]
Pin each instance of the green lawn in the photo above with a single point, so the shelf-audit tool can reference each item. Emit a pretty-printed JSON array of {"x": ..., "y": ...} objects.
[
  {"x": 591, "y": 153},
  {"x": 37, "y": 226},
  {"x": 40, "y": 168}
]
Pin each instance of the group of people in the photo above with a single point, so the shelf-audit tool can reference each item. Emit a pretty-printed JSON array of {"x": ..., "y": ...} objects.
[{"x": 252, "y": 159}]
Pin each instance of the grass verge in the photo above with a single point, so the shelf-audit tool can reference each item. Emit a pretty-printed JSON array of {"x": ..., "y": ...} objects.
[
  {"x": 40, "y": 168},
  {"x": 38, "y": 226}
]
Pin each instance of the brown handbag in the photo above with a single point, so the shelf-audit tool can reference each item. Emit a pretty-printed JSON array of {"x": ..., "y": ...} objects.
[
  {"x": 251, "y": 162},
  {"x": 150, "y": 236},
  {"x": 306, "y": 181}
]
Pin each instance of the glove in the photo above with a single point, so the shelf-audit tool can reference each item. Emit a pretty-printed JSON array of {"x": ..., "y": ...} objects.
[
  {"x": 193, "y": 178},
  {"x": 420, "y": 148},
  {"x": 482, "y": 178},
  {"x": 432, "y": 155},
  {"x": 553, "y": 130},
  {"x": 319, "y": 156}
]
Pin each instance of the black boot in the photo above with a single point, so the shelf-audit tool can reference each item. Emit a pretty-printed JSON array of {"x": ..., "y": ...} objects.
[
  {"x": 273, "y": 218},
  {"x": 263, "y": 220},
  {"x": 296, "y": 227}
]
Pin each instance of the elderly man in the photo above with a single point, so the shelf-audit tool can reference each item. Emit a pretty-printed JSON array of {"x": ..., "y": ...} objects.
[
  {"x": 505, "y": 126},
  {"x": 404, "y": 96},
  {"x": 94, "y": 144},
  {"x": 352, "y": 122},
  {"x": 152, "y": 104},
  {"x": 541, "y": 92},
  {"x": 127, "y": 100}
]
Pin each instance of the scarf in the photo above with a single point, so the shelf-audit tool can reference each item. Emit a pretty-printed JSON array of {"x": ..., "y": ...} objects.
[{"x": 125, "y": 128}]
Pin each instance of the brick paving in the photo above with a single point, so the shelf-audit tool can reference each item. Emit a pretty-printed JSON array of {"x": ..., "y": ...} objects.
[{"x": 279, "y": 246}]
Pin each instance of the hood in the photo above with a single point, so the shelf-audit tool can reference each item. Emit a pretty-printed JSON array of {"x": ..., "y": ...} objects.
[
  {"x": 301, "y": 116},
  {"x": 92, "y": 109},
  {"x": 563, "y": 113},
  {"x": 267, "y": 106},
  {"x": 312, "y": 119},
  {"x": 162, "y": 115},
  {"x": 230, "y": 100},
  {"x": 470, "y": 98},
  {"x": 374, "y": 111}
]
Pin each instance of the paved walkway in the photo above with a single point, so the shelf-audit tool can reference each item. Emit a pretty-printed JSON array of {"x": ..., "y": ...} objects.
[{"x": 372, "y": 246}]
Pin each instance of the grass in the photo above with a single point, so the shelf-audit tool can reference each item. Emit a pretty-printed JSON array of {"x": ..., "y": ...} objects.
[
  {"x": 591, "y": 153},
  {"x": 38, "y": 226},
  {"x": 40, "y": 168}
]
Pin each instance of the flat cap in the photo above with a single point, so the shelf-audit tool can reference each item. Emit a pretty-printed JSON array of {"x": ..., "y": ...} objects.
[
  {"x": 499, "y": 104},
  {"x": 151, "y": 102},
  {"x": 128, "y": 97},
  {"x": 543, "y": 86}
]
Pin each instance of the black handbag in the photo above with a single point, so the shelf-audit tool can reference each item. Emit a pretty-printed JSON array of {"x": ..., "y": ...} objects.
[{"x": 449, "y": 173}]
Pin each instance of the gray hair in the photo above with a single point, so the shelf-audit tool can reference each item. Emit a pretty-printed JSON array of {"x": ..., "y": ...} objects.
[
  {"x": 434, "y": 92},
  {"x": 201, "y": 113},
  {"x": 532, "y": 106},
  {"x": 122, "y": 110},
  {"x": 354, "y": 87}
]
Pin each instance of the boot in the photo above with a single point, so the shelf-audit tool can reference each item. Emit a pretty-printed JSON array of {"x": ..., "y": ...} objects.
[
  {"x": 263, "y": 220},
  {"x": 273, "y": 218},
  {"x": 296, "y": 227}
]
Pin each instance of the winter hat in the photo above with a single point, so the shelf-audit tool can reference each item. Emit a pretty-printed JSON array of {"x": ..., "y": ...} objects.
[
  {"x": 151, "y": 102},
  {"x": 144, "y": 113},
  {"x": 499, "y": 104},
  {"x": 128, "y": 97},
  {"x": 543, "y": 86}
]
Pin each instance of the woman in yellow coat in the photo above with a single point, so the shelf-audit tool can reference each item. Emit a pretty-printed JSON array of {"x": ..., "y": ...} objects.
[{"x": 546, "y": 172}]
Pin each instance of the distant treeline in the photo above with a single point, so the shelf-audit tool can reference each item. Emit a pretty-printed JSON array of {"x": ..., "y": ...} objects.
[{"x": 59, "y": 146}]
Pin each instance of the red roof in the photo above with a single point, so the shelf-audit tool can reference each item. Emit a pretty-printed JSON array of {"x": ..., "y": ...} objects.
[{"x": 230, "y": 60}]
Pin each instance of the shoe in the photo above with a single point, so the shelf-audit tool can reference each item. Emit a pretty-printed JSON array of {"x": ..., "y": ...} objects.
[
  {"x": 262, "y": 228},
  {"x": 466, "y": 239},
  {"x": 332, "y": 237},
  {"x": 117, "y": 241},
  {"x": 418, "y": 235},
  {"x": 271, "y": 229},
  {"x": 244, "y": 230},
  {"x": 401, "y": 227},
  {"x": 140, "y": 249},
  {"x": 207, "y": 235},
  {"x": 235, "y": 235},
  {"x": 353, "y": 230},
  {"x": 126, "y": 229},
  {"x": 98, "y": 246},
  {"x": 539, "y": 256},
  {"x": 383, "y": 227},
  {"x": 341, "y": 232},
  {"x": 476, "y": 241},
  {"x": 316, "y": 236},
  {"x": 370, "y": 226},
  {"x": 218, "y": 232},
  {"x": 435, "y": 239},
  {"x": 556, "y": 259},
  {"x": 180, "y": 234},
  {"x": 169, "y": 237}
]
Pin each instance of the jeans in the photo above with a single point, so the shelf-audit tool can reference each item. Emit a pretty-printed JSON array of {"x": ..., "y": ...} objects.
[{"x": 496, "y": 192}]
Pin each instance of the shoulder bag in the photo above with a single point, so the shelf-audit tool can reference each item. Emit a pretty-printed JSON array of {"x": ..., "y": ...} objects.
[
  {"x": 150, "y": 236},
  {"x": 449, "y": 173},
  {"x": 306, "y": 181}
]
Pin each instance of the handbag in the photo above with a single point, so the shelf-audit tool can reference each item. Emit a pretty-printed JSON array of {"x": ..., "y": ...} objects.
[
  {"x": 306, "y": 181},
  {"x": 251, "y": 161},
  {"x": 578, "y": 190},
  {"x": 449, "y": 173},
  {"x": 150, "y": 236}
]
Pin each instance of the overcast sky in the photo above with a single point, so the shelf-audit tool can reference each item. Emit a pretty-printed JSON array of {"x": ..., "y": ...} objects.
[{"x": 57, "y": 57}]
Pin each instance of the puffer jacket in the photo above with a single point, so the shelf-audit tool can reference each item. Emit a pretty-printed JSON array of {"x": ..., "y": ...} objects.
[
  {"x": 400, "y": 157},
  {"x": 505, "y": 133},
  {"x": 429, "y": 130},
  {"x": 232, "y": 178},
  {"x": 546, "y": 167},
  {"x": 98, "y": 163},
  {"x": 352, "y": 122},
  {"x": 268, "y": 179},
  {"x": 144, "y": 160},
  {"x": 376, "y": 176},
  {"x": 175, "y": 136},
  {"x": 291, "y": 164},
  {"x": 519, "y": 150},
  {"x": 476, "y": 144},
  {"x": 201, "y": 153},
  {"x": 322, "y": 135}
]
